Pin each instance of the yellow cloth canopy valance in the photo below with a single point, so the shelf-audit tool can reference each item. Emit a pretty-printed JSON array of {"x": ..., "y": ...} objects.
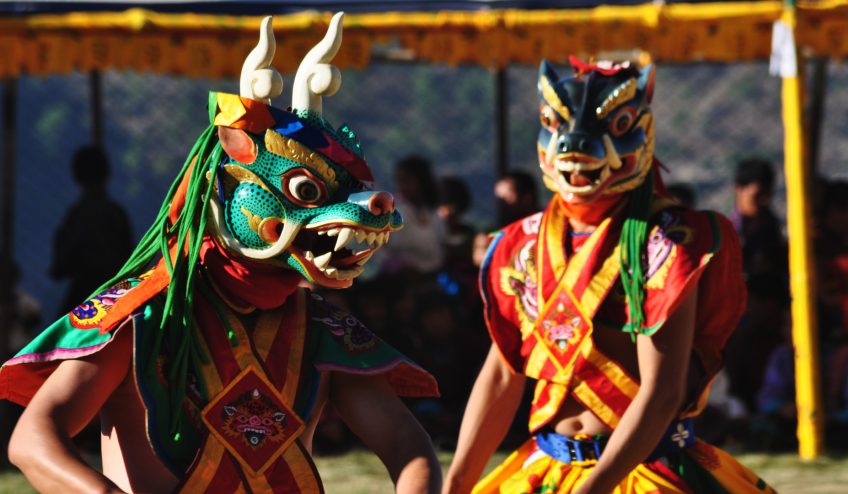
[{"x": 215, "y": 45}]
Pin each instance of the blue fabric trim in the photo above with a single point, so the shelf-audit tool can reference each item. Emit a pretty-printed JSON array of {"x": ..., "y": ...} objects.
[
  {"x": 485, "y": 266},
  {"x": 679, "y": 436},
  {"x": 141, "y": 323}
]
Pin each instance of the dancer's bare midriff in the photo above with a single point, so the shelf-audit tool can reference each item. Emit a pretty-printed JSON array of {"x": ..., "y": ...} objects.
[{"x": 573, "y": 418}]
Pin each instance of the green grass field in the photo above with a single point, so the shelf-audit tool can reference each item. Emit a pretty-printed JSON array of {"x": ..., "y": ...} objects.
[{"x": 362, "y": 473}]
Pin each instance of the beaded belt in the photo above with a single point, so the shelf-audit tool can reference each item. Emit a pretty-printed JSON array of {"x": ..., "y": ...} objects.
[{"x": 680, "y": 435}]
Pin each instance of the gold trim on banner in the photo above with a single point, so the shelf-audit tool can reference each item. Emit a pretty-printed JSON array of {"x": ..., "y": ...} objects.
[{"x": 204, "y": 45}]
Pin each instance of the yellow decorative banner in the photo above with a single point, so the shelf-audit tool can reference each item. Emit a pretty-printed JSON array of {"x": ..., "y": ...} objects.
[{"x": 215, "y": 45}]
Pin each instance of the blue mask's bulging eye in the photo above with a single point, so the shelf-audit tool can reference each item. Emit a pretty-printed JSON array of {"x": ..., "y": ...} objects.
[
  {"x": 622, "y": 121},
  {"x": 547, "y": 118}
]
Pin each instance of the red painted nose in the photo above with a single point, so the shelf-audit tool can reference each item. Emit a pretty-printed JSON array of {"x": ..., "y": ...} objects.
[{"x": 381, "y": 203}]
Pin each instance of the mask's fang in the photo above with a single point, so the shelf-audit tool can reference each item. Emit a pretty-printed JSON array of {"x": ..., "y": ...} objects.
[{"x": 613, "y": 159}]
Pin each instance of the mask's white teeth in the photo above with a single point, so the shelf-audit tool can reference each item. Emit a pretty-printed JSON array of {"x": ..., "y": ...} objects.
[
  {"x": 360, "y": 236},
  {"x": 309, "y": 255},
  {"x": 345, "y": 237},
  {"x": 321, "y": 232},
  {"x": 323, "y": 260},
  {"x": 566, "y": 166},
  {"x": 332, "y": 232},
  {"x": 370, "y": 238},
  {"x": 382, "y": 238},
  {"x": 331, "y": 271}
]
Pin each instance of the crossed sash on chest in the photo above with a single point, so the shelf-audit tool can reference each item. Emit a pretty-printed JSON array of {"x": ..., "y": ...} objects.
[
  {"x": 558, "y": 345},
  {"x": 252, "y": 380}
]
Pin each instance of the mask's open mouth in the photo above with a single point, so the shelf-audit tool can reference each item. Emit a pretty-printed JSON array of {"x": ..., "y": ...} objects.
[
  {"x": 581, "y": 174},
  {"x": 583, "y": 178},
  {"x": 338, "y": 252}
]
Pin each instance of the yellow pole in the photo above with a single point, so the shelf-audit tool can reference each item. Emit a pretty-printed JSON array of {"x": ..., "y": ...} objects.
[{"x": 801, "y": 283}]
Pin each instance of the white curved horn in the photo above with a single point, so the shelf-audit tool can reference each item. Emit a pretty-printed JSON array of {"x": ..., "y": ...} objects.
[
  {"x": 258, "y": 80},
  {"x": 315, "y": 76}
]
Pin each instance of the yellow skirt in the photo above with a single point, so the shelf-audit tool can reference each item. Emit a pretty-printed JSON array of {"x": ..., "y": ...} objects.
[{"x": 701, "y": 468}]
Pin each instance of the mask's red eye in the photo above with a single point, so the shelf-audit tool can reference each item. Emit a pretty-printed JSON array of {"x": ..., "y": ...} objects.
[
  {"x": 303, "y": 188},
  {"x": 622, "y": 121},
  {"x": 547, "y": 118}
]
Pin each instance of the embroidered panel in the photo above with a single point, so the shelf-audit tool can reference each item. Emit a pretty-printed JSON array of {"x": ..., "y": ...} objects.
[{"x": 252, "y": 421}]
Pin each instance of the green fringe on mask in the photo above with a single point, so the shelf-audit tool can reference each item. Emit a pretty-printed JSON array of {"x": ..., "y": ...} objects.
[
  {"x": 188, "y": 230},
  {"x": 632, "y": 243}
]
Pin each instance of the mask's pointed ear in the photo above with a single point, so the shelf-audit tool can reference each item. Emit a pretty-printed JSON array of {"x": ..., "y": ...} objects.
[
  {"x": 646, "y": 82},
  {"x": 547, "y": 72},
  {"x": 238, "y": 145}
]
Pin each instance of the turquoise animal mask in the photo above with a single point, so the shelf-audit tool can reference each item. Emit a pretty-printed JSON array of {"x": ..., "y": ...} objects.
[{"x": 289, "y": 188}]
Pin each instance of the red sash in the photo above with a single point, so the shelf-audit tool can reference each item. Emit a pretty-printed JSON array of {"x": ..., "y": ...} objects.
[
  {"x": 529, "y": 283},
  {"x": 561, "y": 352},
  {"x": 252, "y": 380}
]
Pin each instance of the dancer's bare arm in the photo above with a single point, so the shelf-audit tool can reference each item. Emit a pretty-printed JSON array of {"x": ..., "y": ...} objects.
[
  {"x": 369, "y": 406},
  {"x": 663, "y": 366},
  {"x": 73, "y": 394},
  {"x": 491, "y": 407}
]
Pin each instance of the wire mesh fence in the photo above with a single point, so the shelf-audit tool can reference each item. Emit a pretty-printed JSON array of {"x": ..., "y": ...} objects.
[{"x": 708, "y": 116}]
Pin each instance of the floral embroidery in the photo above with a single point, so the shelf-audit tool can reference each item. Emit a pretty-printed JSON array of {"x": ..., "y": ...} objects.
[
  {"x": 680, "y": 436},
  {"x": 355, "y": 337},
  {"x": 519, "y": 281},
  {"x": 662, "y": 248},
  {"x": 89, "y": 314}
]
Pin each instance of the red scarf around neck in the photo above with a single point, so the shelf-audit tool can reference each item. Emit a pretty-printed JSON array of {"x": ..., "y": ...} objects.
[{"x": 245, "y": 282}]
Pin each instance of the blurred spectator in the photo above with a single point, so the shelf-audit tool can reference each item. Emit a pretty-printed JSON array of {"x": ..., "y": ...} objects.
[
  {"x": 459, "y": 276},
  {"x": 724, "y": 420},
  {"x": 684, "y": 194},
  {"x": 517, "y": 196},
  {"x": 417, "y": 249},
  {"x": 773, "y": 429},
  {"x": 454, "y": 201},
  {"x": 760, "y": 331},
  {"x": 94, "y": 239},
  {"x": 763, "y": 246},
  {"x": 440, "y": 347},
  {"x": 836, "y": 395},
  {"x": 832, "y": 257},
  {"x": 479, "y": 248},
  {"x": 832, "y": 260}
]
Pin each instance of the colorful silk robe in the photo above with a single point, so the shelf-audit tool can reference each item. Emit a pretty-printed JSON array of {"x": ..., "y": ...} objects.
[
  {"x": 542, "y": 307},
  {"x": 253, "y": 385}
]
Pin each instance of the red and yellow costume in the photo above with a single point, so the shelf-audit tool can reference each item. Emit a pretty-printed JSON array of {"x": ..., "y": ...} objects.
[{"x": 543, "y": 305}]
